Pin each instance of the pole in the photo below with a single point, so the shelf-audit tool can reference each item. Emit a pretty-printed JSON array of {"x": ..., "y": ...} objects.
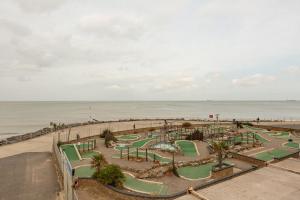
[{"x": 128, "y": 153}]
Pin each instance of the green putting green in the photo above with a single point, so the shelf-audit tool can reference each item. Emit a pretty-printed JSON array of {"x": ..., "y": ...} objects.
[
  {"x": 89, "y": 154},
  {"x": 270, "y": 155},
  {"x": 84, "y": 146},
  {"x": 196, "y": 172},
  {"x": 281, "y": 135},
  {"x": 84, "y": 172},
  {"x": 128, "y": 137},
  {"x": 265, "y": 156},
  {"x": 250, "y": 138},
  {"x": 188, "y": 148},
  {"x": 142, "y": 186},
  {"x": 292, "y": 145},
  {"x": 134, "y": 145},
  {"x": 140, "y": 143},
  {"x": 70, "y": 151}
]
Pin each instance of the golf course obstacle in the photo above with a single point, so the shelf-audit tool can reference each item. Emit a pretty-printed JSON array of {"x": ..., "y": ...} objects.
[{"x": 87, "y": 145}]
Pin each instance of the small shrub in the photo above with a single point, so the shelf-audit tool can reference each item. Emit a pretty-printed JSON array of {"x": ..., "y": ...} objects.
[
  {"x": 111, "y": 175},
  {"x": 59, "y": 143},
  {"x": 247, "y": 123},
  {"x": 104, "y": 132},
  {"x": 186, "y": 125},
  {"x": 196, "y": 135}
]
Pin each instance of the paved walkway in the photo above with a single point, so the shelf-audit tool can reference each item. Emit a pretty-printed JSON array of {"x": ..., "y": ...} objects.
[
  {"x": 39, "y": 144},
  {"x": 29, "y": 176},
  {"x": 264, "y": 184}
]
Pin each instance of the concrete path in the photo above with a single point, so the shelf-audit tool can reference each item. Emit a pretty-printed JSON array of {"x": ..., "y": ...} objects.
[
  {"x": 39, "y": 144},
  {"x": 29, "y": 176}
]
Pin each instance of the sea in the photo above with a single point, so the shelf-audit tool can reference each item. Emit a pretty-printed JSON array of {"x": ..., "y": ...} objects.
[{"x": 23, "y": 117}]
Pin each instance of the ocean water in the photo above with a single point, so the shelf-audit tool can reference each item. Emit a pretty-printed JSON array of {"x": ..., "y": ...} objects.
[{"x": 23, "y": 117}]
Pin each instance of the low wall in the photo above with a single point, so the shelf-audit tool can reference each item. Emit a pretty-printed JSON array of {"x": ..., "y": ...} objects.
[
  {"x": 254, "y": 161},
  {"x": 221, "y": 173}
]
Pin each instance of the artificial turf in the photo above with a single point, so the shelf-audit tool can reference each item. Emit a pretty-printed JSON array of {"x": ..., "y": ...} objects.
[
  {"x": 195, "y": 172},
  {"x": 84, "y": 172},
  {"x": 270, "y": 155},
  {"x": 89, "y": 154},
  {"x": 70, "y": 151},
  {"x": 144, "y": 186},
  {"x": 188, "y": 148},
  {"x": 128, "y": 137},
  {"x": 292, "y": 145}
]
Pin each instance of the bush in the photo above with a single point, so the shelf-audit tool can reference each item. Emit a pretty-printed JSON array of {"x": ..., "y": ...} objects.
[
  {"x": 104, "y": 133},
  {"x": 111, "y": 175},
  {"x": 247, "y": 123},
  {"x": 186, "y": 125},
  {"x": 196, "y": 135},
  {"x": 108, "y": 136},
  {"x": 59, "y": 143}
]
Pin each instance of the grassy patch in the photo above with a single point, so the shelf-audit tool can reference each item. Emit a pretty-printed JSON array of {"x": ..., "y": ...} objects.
[
  {"x": 270, "y": 155},
  {"x": 84, "y": 172},
  {"x": 128, "y": 137},
  {"x": 292, "y": 145},
  {"x": 70, "y": 151},
  {"x": 188, "y": 148},
  {"x": 89, "y": 154},
  {"x": 144, "y": 186},
  {"x": 195, "y": 172}
]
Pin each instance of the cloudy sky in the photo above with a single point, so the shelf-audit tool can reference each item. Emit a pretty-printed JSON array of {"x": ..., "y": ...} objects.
[{"x": 149, "y": 50}]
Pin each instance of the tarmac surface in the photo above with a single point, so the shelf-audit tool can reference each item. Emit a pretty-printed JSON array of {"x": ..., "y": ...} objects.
[{"x": 28, "y": 176}]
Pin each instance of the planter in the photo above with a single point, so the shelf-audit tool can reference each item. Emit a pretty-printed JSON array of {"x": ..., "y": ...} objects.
[{"x": 221, "y": 172}]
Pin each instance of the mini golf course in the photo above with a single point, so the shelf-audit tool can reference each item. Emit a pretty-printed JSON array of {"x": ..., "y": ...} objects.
[
  {"x": 70, "y": 151},
  {"x": 89, "y": 154},
  {"x": 280, "y": 135},
  {"x": 195, "y": 172},
  {"x": 250, "y": 138},
  {"x": 187, "y": 147},
  {"x": 84, "y": 172},
  {"x": 270, "y": 155},
  {"x": 128, "y": 137},
  {"x": 139, "y": 185},
  {"x": 137, "y": 144},
  {"x": 292, "y": 145},
  {"x": 142, "y": 154}
]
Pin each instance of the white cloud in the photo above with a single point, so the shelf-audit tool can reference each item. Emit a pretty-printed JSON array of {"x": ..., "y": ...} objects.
[
  {"x": 174, "y": 52},
  {"x": 254, "y": 80},
  {"x": 292, "y": 70},
  {"x": 113, "y": 26},
  {"x": 175, "y": 83},
  {"x": 39, "y": 6},
  {"x": 212, "y": 76}
]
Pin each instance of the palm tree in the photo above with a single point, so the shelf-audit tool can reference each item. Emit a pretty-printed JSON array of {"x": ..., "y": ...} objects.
[
  {"x": 98, "y": 161},
  {"x": 219, "y": 147}
]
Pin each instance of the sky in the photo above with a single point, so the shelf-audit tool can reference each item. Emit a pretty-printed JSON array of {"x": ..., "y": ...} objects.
[{"x": 149, "y": 50}]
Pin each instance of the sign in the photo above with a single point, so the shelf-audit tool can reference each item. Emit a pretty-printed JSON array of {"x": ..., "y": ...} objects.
[{"x": 211, "y": 116}]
